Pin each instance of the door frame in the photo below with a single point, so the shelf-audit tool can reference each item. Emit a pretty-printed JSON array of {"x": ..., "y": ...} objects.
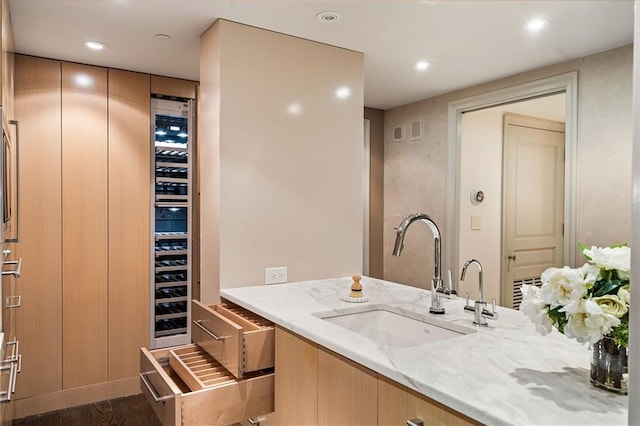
[{"x": 567, "y": 83}]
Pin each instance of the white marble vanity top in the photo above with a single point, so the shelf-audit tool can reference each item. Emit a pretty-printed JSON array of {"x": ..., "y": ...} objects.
[{"x": 505, "y": 373}]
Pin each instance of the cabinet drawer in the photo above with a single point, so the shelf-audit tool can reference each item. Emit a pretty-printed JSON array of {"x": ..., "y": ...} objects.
[
  {"x": 217, "y": 398},
  {"x": 239, "y": 339}
]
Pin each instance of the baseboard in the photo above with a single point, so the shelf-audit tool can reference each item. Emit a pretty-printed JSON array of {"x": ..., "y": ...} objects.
[{"x": 76, "y": 396}]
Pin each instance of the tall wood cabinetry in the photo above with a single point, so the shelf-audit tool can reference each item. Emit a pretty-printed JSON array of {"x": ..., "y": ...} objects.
[
  {"x": 85, "y": 186},
  {"x": 38, "y": 106},
  {"x": 10, "y": 300},
  {"x": 84, "y": 225}
]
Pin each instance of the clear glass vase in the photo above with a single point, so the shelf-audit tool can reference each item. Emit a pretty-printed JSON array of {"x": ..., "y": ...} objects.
[{"x": 609, "y": 366}]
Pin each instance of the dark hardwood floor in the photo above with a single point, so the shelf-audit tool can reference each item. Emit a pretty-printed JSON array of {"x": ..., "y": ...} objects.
[{"x": 132, "y": 410}]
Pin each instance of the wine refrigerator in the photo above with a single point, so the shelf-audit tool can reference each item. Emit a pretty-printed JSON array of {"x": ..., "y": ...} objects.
[{"x": 171, "y": 245}]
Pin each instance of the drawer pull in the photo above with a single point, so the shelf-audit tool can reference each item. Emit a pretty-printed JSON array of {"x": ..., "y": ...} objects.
[
  {"x": 16, "y": 351},
  {"x": 17, "y": 300},
  {"x": 5, "y": 396},
  {"x": 206, "y": 330},
  {"x": 153, "y": 393},
  {"x": 15, "y": 272}
]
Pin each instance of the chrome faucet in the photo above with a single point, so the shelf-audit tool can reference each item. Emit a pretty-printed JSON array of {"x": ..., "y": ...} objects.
[
  {"x": 436, "y": 282},
  {"x": 479, "y": 309}
]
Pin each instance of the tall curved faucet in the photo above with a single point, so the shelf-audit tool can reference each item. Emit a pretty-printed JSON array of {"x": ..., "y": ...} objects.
[
  {"x": 436, "y": 282},
  {"x": 464, "y": 272}
]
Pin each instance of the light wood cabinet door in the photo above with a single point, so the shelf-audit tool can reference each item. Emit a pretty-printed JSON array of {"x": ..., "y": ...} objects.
[
  {"x": 84, "y": 224},
  {"x": 129, "y": 220},
  {"x": 296, "y": 380},
  {"x": 397, "y": 404},
  {"x": 347, "y": 392},
  {"x": 39, "y": 319}
]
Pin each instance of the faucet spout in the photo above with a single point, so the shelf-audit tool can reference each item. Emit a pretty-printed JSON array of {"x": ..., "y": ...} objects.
[
  {"x": 436, "y": 282},
  {"x": 464, "y": 271},
  {"x": 402, "y": 229}
]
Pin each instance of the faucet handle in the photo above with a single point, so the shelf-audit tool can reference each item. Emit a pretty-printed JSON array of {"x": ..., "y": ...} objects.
[
  {"x": 493, "y": 314},
  {"x": 468, "y": 308}
]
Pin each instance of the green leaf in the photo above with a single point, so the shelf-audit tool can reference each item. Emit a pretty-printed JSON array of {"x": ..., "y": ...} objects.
[
  {"x": 602, "y": 287},
  {"x": 582, "y": 248}
]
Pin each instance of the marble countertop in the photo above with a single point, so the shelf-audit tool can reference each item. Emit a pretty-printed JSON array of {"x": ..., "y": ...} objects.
[{"x": 505, "y": 373}]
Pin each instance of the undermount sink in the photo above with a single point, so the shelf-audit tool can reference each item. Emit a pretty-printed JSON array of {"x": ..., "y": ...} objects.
[{"x": 396, "y": 329}]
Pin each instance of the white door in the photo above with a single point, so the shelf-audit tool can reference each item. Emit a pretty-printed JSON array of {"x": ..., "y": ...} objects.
[{"x": 532, "y": 203}]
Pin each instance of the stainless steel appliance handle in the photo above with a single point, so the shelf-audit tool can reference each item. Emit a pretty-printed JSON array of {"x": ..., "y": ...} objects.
[
  {"x": 198, "y": 323},
  {"x": 16, "y": 351},
  {"x": 15, "y": 272},
  {"x": 5, "y": 396},
  {"x": 152, "y": 391}
]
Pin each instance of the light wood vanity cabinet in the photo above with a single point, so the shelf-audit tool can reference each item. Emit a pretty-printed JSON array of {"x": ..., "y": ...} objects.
[
  {"x": 225, "y": 377},
  {"x": 315, "y": 386},
  {"x": 397, "y": 404}
]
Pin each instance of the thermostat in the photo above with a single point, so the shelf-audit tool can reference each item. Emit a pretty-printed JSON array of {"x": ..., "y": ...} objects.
[{"x": 477, "y": 196}]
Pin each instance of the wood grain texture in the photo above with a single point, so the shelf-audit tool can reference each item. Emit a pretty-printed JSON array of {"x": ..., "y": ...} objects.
[
  {"x": 296, "y": 380},
  {"x": 129, "y": 220},
  {"x": 347, "y": 392},
  {"x": 173, "y": 87},
  {"x": 38, "y": 98},
  {"x": 397, "y": 404},
  {"x": 84, "y": 224}
]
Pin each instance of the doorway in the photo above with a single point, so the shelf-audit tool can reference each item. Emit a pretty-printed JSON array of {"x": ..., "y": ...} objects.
[{"x": 484, "y": 219}]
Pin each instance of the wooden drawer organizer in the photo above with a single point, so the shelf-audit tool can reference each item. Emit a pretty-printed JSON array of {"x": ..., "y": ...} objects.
[
  {"x": 185, "y": 386},
  {"x": 239, "y": 339},
  {"x": 225, "y": 377}
]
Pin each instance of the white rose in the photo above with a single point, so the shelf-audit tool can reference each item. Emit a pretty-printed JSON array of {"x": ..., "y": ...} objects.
[
  {"x": 562, "y": 286},
  {"x": 587, "y": 321},
  {"x": 590, "y": 274},
  {"x": 617, "y": 258},
  {"x": 624, "y": 295},
  {"x": 535, "y": 309},
  {"x": 611, "y": 304}
]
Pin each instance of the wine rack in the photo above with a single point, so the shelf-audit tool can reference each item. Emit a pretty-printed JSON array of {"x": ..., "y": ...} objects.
[{"x": 171, "y": 209}]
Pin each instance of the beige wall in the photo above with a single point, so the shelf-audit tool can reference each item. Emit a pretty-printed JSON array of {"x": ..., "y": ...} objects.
[
  {"x": 416, "y": 175},
  {"x": 280, "y": 158}
]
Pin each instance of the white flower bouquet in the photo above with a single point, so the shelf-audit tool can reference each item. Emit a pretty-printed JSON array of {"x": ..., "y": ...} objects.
[{"x": 586, "y": 303}]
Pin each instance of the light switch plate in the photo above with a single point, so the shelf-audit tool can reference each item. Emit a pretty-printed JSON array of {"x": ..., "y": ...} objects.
[{"x": 476, "y": 222}]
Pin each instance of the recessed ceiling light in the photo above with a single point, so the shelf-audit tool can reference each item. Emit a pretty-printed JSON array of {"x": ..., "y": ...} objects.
[
  {"x": 328, "y": 17},
  {"x": 95, "y": 45},
  {"x": 536, "y": 24},
  {"x": 421, "y": 65}
]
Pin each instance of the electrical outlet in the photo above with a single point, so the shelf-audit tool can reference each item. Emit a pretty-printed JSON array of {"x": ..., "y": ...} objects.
[{"x": 275, "y": 275}]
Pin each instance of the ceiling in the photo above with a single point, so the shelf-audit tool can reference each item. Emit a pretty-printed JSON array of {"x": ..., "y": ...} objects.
[{"x": 467, "y": 42}]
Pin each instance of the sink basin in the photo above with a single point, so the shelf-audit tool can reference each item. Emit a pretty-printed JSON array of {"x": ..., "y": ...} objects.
[{"x": 396, "y": 329}]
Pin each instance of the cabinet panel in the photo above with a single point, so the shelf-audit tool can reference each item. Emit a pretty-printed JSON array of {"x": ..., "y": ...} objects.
[
  {"x": 84, "y": 224},
  {"x": 168, "y": 86},
  {"x": 347, "y": 392},
  {"x": 129, "y": 220},
  {"x": 39, "y": 319},
  {"x": 398, "y": 404},
  {"x": 296, "y": 380}
]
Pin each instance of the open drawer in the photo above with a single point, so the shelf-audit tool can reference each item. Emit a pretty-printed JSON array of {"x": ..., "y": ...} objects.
[
  {"x": 185, "y": 386},
  {"x": 239, "y": 339}
]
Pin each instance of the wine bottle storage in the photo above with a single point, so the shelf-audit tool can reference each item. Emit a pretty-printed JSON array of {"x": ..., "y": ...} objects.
[{"x": 171, "y": 264}]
